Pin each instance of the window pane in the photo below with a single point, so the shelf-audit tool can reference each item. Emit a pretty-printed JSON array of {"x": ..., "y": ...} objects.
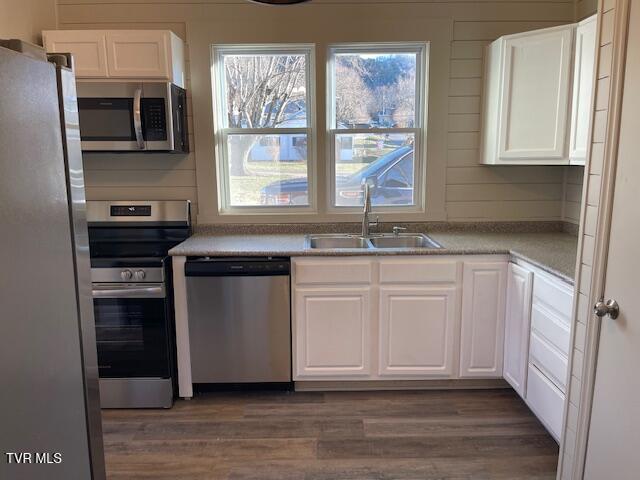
[
  {"x": 265, "y": 91},
  {"x": 267, "y": 169},
  {"x": 385, "y": 161},
  {"x": 375, "y": 90}
]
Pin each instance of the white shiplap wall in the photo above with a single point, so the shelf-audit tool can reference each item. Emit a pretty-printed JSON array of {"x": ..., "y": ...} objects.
[
  {"x": 473, "y": 192},
  {"x": 589, "y": 214},
  {"x": 572, "y": 200}
]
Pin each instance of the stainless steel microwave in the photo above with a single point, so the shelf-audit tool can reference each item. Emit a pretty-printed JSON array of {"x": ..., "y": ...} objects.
[{"x": 133, "y": 117}]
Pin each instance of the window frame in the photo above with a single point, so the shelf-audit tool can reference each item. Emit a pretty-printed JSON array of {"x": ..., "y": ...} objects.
[
  {"x": 222, "y": 131},
  {"x": 421, "y": 49}
]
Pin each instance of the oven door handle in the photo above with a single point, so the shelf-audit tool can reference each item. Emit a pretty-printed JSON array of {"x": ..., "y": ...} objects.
[
  {"x": 104, "y": 291},
  {"x": 137, "y": 117}
]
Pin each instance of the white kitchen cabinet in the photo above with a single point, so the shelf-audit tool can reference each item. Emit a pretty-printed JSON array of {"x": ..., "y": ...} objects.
[
  {"x": 89, "y": 48},
  {"x": 332, "y": 328},
  {"x": 417, "y": 330},
  {"x": 399, "y": 317},
  {"x": 527, "y": 96},
  {"x": 516, "y": 329},
  {"x": 545, "y": 400},
  {"x": 582, "y": 102},
  {"x": 122, "y": 54},
  {"x": 551, "y": 307},
  {"x": 482, "y": 328}
]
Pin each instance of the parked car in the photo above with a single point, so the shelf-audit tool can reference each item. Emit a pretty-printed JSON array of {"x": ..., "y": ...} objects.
[{"x": 390, "y": 176}]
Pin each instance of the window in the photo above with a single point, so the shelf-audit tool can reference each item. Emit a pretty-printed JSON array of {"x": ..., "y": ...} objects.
[
  {"x": 376, "y": 121},
  {"x": 264, "y": 125}
]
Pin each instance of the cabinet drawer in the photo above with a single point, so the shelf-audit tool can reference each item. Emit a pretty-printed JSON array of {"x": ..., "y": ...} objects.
[
  {"x": 546, "y": 401},
  {"x": 412, "y": 270},
  {"x": 332, "y": 271},
  {"x": 548, "y": 360},
  {"x": 555, "y": 295},
  {"x": 551, "y": 327}
]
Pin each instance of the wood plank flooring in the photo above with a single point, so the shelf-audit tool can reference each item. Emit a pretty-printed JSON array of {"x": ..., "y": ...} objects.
[{"x": 401, "y": 435}]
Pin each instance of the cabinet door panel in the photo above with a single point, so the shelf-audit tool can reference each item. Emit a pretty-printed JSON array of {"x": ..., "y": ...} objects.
[
  {"x": 482, "y": 329},
  {"x": 549, "y": 361},
  {"x": 583, "y": 73},
  {"x": 417, "y": 331},
  {"x": 138, "y": 54},
  {"x": 516, "y": 329},
  {"x": 546, "y": 401},
  {"x": 88, "y": 49},
  {"x": 332, "y": 331},
  {"x": 535, "y": 96}
]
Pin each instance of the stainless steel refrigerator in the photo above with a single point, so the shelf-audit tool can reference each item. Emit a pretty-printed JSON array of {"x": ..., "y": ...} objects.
[{"x": 50, "y": 424}]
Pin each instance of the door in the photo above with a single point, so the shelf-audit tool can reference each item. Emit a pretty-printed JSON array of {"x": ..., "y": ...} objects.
[
  {"x": 516, "y": 328},
  {"x": 332, "y": 332},
  {"x": 239, "y": 326},
  {"x": 110, "y": 116},
  {"x": 583, "y": 71},
  {"x": 417, "y": 326},
  {"x": 535, "y": 96},
  {"x": 132, "y": 330},
  {"x": 87, "y": 46},
  {"x": 138, "y": 54},
  {"x": 395, "y": 186},
  {"x": 613, "y": 444},
  {"x": 483, "y": 304}
]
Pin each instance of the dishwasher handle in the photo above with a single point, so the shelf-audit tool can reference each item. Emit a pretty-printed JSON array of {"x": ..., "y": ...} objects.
[{"x": 239, "y": 268}]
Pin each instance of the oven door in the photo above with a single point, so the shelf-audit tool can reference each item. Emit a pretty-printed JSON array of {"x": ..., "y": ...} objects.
[{"x": 131, "y": 330}]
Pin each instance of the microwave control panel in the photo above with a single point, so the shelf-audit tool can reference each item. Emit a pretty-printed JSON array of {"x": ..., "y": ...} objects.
[{"x": 154, "y": 119}]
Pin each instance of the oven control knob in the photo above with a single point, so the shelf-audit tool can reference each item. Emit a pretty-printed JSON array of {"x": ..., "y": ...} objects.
[
  {"x": 139, "y": 274},
  {"x": 126, "y": 274}
]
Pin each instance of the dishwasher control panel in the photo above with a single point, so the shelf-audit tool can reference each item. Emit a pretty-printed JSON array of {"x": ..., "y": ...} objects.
[{"x": 207, "y": 266}]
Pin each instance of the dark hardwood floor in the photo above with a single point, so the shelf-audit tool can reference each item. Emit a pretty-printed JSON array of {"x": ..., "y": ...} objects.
[{"x": 408, "y": 435}]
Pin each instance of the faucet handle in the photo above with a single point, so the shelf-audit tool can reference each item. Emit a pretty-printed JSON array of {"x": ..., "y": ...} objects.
[
  {"x": 397, "y": 230},
  {"x": 374, "y": 223}
]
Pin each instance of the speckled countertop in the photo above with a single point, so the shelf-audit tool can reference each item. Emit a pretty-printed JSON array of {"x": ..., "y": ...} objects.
[{"x": 554, "y": 252}]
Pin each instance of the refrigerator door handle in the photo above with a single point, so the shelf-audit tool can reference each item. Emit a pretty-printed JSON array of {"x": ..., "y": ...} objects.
[{"x": 137, "y": 118}]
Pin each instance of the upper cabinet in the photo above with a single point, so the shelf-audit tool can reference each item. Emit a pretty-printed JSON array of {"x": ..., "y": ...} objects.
[
  {"x": 121, "y": 54},
  {"x": 532, "y": 84},
  {"x": 583, "y": 75}
]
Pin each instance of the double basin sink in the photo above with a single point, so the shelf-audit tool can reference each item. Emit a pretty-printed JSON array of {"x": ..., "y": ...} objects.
[{"x": 380, "y": 241}]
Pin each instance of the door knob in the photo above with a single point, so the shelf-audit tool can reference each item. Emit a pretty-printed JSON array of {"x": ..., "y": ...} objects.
[{"x": 610, "y": 307}]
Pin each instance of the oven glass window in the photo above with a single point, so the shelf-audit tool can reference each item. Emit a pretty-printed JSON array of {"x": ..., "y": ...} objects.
[
  {"x": 132, "y": 337},
  {"x": 108, "y": 119}
]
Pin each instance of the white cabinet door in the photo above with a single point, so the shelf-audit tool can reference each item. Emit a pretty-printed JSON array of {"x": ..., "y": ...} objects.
[
  {"x": 87, "y": 46},
  {"x": 516, "y": 328},
  {"x": 583, "y": 73},
  {"x": 482, "y": 330},
  {"x": 139, "y": 54},
  {"x": 417, "y": 331},
  {"x": 531, "y": 111},
  {"x": 332, "y": 332}
]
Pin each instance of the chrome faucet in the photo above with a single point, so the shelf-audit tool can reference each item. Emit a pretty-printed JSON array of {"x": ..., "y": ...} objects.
[{"x": 366, "y": 224}]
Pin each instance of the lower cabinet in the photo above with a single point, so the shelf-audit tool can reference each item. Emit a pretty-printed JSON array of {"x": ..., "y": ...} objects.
[
  {"x": 332, "y": 331},
  {"x": 545, "y": 400},
  {"x": 482, "y": 330},
  {"x": 414, "y": 318},
  {"x": 516, "y": 327},
  {"x": 537, "y": 337},
  {"x": 397, "y": 318},
  {"x": 417, "y": 331}
]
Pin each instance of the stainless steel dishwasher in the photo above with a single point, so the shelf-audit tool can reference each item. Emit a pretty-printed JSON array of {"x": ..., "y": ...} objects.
[{"x": 239, "y": 319}]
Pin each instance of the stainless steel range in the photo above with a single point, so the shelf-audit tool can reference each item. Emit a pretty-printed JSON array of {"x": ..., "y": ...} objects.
[{"x": 133, "y": 300}]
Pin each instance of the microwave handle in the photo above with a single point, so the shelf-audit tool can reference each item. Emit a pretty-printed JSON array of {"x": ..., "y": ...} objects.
[{"x": 137, "y": 118}]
